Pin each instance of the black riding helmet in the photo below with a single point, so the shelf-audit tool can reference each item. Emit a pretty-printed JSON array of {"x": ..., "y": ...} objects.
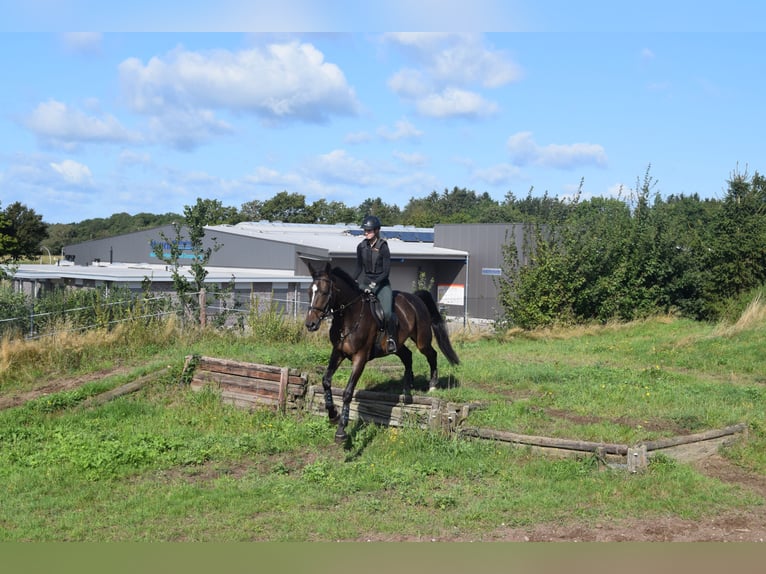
[{"x": 370, "y": 222}]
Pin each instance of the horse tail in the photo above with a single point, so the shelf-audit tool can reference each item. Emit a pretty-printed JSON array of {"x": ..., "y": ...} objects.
[{"x": 439, "y": 326}]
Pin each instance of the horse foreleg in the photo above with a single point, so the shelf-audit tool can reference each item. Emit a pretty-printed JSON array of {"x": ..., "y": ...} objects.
[
  {"x": 357, "y": 367},
  {"x": 335, "y": 359}
]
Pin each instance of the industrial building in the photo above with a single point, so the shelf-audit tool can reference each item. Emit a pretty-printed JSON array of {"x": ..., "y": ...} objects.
[{"x": 460, "y": 263}]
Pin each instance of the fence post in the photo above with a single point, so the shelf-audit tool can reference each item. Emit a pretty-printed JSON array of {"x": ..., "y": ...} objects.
[{"x": 202, "y": 308}]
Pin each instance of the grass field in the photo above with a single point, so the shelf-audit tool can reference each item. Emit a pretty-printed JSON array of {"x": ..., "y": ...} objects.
[{"x": 169, "y": 464}]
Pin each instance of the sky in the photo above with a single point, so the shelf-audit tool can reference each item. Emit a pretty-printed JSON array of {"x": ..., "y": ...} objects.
[{"x": 168, "y": 102}]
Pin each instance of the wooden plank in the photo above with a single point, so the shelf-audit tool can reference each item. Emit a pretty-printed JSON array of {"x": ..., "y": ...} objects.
[
  {"x": 246, "y": 383},
  {"x": 241, "y": 367}
]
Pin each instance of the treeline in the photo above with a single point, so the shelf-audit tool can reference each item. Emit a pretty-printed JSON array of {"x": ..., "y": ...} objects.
[
  {"x": 458, "y": 205},
  {"x": 586, "y": 259},
  {"x": 618, "y": 259}
]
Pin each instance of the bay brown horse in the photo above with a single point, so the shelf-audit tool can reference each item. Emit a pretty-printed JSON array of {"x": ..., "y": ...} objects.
[{"x": 355, "y": 332}]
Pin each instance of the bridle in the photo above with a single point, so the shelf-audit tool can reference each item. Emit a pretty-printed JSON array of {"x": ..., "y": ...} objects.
[{"x": 327, "y": 310}]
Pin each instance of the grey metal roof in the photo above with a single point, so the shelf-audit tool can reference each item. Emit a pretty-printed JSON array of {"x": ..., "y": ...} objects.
[
  {"x": 340, "y": 240},
  {"x": 135, "y": 273}
]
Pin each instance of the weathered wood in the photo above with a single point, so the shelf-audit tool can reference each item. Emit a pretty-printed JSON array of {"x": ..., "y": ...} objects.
[
  {"x": 249, "y": 384},
  {"x": 548, "y": 442},
  {"x": 282, "y": 396},
  {"x": 393, "y": 410},
  {"x": 122, "y": 390},
  {"x": 635, "y": 458},
  {"x": 245, "y": 384},
  {"x": 252, "y": 370},
  {"x": 665, "y": 443}
]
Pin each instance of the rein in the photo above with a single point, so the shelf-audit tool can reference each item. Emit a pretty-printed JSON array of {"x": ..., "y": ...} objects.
[{"x": 329, "y": 311}]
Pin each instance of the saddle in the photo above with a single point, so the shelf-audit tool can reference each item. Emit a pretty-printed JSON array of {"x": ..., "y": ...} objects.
[{"x": 377, "y": 311}]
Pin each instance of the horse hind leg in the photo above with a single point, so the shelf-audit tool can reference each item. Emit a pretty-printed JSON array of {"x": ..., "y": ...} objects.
[
  {"x": 405, "y": 355},
  {"x": 431, "y": 357}
]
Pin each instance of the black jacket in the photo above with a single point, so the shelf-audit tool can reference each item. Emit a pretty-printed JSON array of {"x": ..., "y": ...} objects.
[{"x": 374, "y": 262}]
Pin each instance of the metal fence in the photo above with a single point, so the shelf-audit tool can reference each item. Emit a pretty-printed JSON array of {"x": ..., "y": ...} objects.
[{"x": 199, "y": 308}]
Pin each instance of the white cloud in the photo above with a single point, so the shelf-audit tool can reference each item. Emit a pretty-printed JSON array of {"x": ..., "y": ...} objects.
[
  {"x": 499, "y": 174},
  {"x": 185, "y": 129},
  {"x": 411, "y": 159},
  {"x": 60, "y": 125},
  {"x": 524, "y": 151},
  {"x": 339, "y": 167},
  {"x": 82, "y": 42},
  {"x": 73, "y": 172},
  {"x": 448, "y": 69},
  {"x": 357, "y": 137},
  {"x": 456, "y": 102},
  {"x": 401, "y": 130},
  {"x": 268, "y": 176},
  {"x": 280, "y": 82},
  {"x": 409, "y": 83}
]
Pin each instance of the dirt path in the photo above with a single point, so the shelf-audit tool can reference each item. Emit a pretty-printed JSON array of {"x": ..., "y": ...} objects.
[{"x": 16, "y": 400}]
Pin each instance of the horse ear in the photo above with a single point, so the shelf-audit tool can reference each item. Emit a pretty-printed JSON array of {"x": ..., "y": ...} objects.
[{"x": 328, "y": 268}]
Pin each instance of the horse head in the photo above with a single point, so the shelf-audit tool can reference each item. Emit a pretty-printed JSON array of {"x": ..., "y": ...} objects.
[{"x": 320, "y": 295}]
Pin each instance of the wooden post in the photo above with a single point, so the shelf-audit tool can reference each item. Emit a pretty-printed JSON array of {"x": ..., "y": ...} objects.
[
  {"x": 637, "y": 458},
  {"x": 282, "y": 398},
  {"x": 202, "y": 308}
]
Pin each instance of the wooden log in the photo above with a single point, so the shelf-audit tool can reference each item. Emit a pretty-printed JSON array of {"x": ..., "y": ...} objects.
[
  {"x": 547, "y": 442},
  {"x": 122, "y": 390},
  {"x": 665, "y": 443}
]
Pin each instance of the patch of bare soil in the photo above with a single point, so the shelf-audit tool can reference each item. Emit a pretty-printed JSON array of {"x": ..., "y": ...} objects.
[
  {"x": 18, "y": 399},
  {"x": 747, "y": 525}
]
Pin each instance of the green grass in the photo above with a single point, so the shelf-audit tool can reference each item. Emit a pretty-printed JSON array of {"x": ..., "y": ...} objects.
[{"x": 170, "y": 464}]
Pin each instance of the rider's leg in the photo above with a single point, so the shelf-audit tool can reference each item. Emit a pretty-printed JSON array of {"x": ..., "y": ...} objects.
[{"x": 385, "y": 296}]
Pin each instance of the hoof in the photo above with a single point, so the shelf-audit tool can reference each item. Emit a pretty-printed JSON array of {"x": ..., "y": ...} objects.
[{"x": 340, "y": 437}]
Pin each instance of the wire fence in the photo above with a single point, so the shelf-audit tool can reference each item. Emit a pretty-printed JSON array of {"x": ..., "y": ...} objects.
[{"x": 34, "y": 319}]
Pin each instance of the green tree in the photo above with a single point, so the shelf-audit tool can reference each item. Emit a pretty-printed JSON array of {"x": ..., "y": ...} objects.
[
  {"x": 286, "y": 207},
  {"x": 331, "y": 212},
  {"x": 737, "y": 253},
  {"x": 387, "y": 213},
  {"x": 251, "y": 211},
  {"x": 190, "y": 238},
  {"x": 21, "y": 232}
]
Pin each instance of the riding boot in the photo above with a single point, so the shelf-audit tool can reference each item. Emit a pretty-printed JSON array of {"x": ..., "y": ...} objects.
[{"x": 391, "y": 344}]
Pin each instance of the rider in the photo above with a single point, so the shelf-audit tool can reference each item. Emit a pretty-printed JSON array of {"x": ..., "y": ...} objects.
[{"x": 373, "y": 260}]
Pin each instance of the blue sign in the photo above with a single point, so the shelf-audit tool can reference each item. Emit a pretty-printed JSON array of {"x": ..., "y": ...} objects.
[{"x": 491, "y": 271}]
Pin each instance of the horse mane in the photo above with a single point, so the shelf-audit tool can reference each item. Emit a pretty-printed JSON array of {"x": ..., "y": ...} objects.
[{"x": 345, "y": 277}]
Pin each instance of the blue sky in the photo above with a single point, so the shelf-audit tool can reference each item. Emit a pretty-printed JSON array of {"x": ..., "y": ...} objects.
[{"x": 141, "y": 119}]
